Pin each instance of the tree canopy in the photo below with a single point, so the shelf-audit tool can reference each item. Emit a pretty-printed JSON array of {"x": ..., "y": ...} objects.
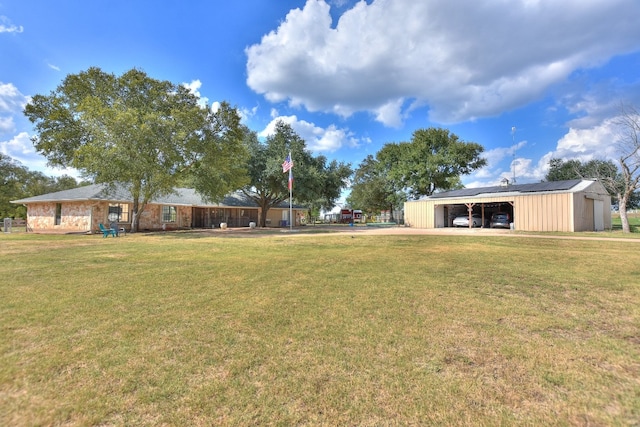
[
  {"x": 317, "y": 182},
  {"x": 141, "y": 133},
  {"x": 18, "y": 182},
  {"x": 432, "y": 161},
  {"x": 371, "y": 189},
  {"x": 575, "y": 169}
]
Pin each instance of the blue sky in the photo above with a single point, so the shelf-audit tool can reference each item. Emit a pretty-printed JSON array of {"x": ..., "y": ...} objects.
[{"x": 352, "y": 76}]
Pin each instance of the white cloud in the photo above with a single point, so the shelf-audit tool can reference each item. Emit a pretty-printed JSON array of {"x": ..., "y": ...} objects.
[
  {"x": 586, "y": 144},
  {"x": 318, "y": 139},
  {"x": 391, "y": 113},
  {"x": 496, "y": 155},
  {"x": 18, "y": 147},
  {"x": 19, "y": 144},
  {"x": 247, "y": 113},
  {"x": 522, "y": 169},
  {"x": 194, "y": 88},
  {"x": 21, "y": 148},
  {"x": 6, "y": 124},
  {"x": 494, "y": 172},
  {"x": 7, "y": 27},
  {"x": 11, "y": 100},
  {"x": 339, "y": 3},
  {"x": 600, "y": 141},
  {"x": 464, "y": 59}
]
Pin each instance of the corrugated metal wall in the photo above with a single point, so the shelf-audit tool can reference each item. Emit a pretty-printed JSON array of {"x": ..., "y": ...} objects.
[
  {"x": 543, "y": 212},
  {"x": 584, "y": 218},
  {"x": 419, "y": 214}
]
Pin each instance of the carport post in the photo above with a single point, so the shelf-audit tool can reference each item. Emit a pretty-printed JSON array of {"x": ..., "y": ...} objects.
[{"x": 470, "y": 209}]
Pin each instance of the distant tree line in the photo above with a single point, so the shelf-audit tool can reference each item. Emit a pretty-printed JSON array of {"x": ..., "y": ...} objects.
[{"x": 18, "y": 182}]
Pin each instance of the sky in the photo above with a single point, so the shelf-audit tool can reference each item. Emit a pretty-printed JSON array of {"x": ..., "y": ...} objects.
[{"x": 529, "y": 80}]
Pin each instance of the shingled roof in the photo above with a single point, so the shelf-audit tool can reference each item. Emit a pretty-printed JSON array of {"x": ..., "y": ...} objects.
[{"x": 101, "y": 192}]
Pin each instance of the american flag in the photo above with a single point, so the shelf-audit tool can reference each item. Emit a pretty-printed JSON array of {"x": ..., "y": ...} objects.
[{"x": 288, "y": 164}]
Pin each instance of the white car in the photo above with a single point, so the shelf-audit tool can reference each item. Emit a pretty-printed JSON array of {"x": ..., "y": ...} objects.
[{"x": 463, "y": 221}]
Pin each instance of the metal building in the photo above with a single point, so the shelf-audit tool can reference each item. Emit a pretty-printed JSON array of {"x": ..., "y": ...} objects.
[{"x": 569, "y": 206}]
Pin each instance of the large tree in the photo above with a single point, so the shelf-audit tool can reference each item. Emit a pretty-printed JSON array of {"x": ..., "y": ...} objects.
[
  {"x": 432, "y": 161},
  {"x": 317, "y": 182},
  {"x": 138, "y": 132},
  {"x": 628, "y": 147},
  {"x": 371, "y": 189}
]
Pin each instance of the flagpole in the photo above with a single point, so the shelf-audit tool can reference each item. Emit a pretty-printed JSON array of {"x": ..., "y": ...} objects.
[
  {"x": 290, "y": 194},
  {"x": 287, "y": 166}
]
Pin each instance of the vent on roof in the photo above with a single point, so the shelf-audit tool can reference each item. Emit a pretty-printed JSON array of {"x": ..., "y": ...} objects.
[{"x": 504, "y": 182}]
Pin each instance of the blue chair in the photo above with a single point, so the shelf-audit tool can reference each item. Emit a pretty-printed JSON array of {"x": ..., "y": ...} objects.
[
  {"x": 114, "y": 226},
  {"x": 107, "y": 231}
]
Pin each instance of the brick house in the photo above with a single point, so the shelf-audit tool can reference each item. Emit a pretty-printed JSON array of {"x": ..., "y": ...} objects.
[{"x": 82, "y": 209}]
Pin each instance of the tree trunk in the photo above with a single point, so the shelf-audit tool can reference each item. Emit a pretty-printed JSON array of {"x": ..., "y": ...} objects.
[
  {"x": 138, "y": 208},
  {"x": 135, "y": 219},
  {"x": 135, "y": 216},
  {"x": 622, "y": 209},
  {"x": 263, "y": 216}
]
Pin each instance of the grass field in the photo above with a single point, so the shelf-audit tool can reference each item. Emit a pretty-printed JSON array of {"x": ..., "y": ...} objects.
[
  {"x": 192, "y": 329},
  {"x": 634, "y": 221}
]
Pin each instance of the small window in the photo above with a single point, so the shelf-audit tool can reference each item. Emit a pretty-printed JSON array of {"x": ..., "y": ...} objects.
[
  {"x": 169, "y": 214},
  {"x": 58, "y": 219},
  {"x": 118, "y": 212}
]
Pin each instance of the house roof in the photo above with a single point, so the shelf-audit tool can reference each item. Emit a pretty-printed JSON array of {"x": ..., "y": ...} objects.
[
  {"x": 102, "y": 192},
  {"x": 539, "y": 187}
]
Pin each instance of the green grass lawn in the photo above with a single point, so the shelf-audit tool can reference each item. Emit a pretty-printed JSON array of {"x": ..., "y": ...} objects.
[
  {"x": 634, "y": 222},
  {"x": 192, "y": 329}
]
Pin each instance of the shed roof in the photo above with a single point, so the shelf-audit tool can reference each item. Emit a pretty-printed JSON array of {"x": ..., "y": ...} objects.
[
  {"x": 539, "y": 187},
  {"x": 103, "y": 192}
]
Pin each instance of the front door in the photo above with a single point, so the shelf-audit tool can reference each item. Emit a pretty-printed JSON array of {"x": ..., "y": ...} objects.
[
  {"x": 198, "y": 218},
  {"x": 598, "y": 215}
]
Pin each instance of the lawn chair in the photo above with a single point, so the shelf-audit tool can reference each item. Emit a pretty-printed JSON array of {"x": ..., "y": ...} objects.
[
  {"x": 107, "y": 231},
  {"x": 119, "y": 230}
]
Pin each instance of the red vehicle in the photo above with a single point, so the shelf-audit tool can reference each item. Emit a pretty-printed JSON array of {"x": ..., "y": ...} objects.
[{"x": 350, "y": 215}]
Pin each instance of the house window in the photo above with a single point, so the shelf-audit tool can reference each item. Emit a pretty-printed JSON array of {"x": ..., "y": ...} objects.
[
  {"x": 58, "y": 219},
  {"x": 169, "y": 214},
  {"x": 118, "y": 212}
]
